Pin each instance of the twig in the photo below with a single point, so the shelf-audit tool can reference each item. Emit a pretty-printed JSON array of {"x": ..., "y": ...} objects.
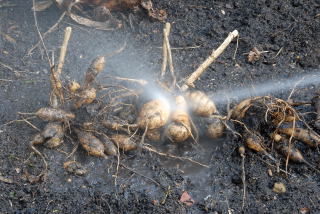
[
  {"x": 278, "y": 53},
  {"x": 215, "y": 54},
  {"x": 43, "y": 159},
  {"x": 236, "y": 50},
  {"x": 165, "y": 50},
  {"x": 146, "y": 147},
  {"x": 51, "y": 29},
  {"x": 41, "y": 38},
  {"x": 294, "y": 88},
  {"x": 30, "y": 124}
]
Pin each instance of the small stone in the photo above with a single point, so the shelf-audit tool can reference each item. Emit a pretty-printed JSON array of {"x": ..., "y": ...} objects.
[
  {"x": 270, "y": 173},
  {"x": 279, "y": 188},
  {"x": 18, "y": 170},
  {"x": 304, "y": 210}
]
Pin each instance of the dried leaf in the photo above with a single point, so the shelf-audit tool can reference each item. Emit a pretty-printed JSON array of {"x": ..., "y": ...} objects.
[{"x": 186, "y": 199}]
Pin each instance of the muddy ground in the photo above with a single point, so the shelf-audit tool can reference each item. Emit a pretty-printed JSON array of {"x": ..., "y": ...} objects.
[{"x": 288, "y": 30}]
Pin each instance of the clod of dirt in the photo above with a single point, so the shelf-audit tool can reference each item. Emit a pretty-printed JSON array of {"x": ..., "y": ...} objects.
[
  {"x": 279, "y": 188},
  {"x": 53, "y": 130},
  {"x": 74, "y": 86},
  {"x": 254, "y": 55},
  {"x": 74, "y": 168},
  {"x": 37, "y": 139}
]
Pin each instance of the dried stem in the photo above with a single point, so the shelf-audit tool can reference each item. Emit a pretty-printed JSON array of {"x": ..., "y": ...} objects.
[
  {"x": 166, "y": 39},
  {"x": 56, "y": 84},
  {"x": 215, "y": 54},
  {"x": 63, "y": 50},
  {"x": 166, "y": 30}
]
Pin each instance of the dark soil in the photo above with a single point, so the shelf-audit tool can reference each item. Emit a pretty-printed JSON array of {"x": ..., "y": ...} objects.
[{"x": 288, "y": 30}]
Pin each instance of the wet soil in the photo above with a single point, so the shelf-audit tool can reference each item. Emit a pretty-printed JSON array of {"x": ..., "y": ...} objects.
[{"x": 287, "y": 30}]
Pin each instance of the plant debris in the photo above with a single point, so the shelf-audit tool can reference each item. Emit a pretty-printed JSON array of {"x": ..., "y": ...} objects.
[{"x": 101, "y": 17}]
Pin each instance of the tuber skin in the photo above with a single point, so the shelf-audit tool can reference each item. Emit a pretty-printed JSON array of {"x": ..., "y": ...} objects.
[
  {"x": 306, "y": 136},
  {"x": 96, "y": 67},
  {"x": 179, "y": 129},
  {"x": 124, "y": 142},
  {"x": 53, "y": 114},
  {"x": 154, "y": 135},
  {"x": 200, "y": 103},
  {"x": 255, "y": 142},
  {"x": 239, "y": 111},
  {"x": 154, "y": 114},
  {"x": 215, "y": 128},
  {"x": 177, "y": 132},
  {"x": 85, "y": 97},
  {"x": 293, "y": 153},
  {"x": 90, "y": 143},
  {"x": 53, "y": 142},
  {"x": 109, "y": 147}
]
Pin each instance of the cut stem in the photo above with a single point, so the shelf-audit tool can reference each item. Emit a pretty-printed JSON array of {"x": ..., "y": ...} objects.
[{"x": 215, "y": 54}]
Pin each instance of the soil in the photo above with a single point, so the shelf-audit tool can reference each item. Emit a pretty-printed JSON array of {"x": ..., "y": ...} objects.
[{"x": 287, "y": 30}]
